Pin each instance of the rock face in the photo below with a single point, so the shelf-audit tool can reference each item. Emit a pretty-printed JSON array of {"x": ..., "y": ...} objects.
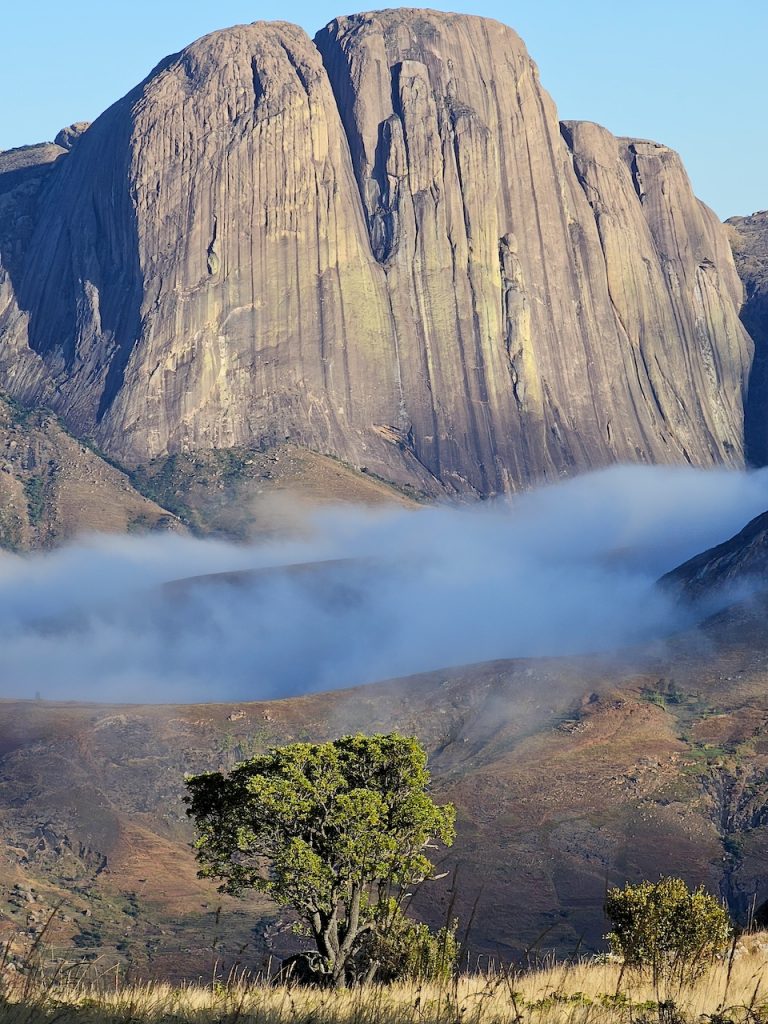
[
  {"x": 749, "y": 241},
  {"x": 382, "y": 246}
]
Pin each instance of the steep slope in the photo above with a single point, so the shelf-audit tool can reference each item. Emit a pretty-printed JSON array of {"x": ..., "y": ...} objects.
[
  {"x": 23, "y": 174},
  {"x": 661, "y": 286},
  {"x": 476, "y": 209},
  {"x": 738, "y": 565},
  {"x": 230, "y": 294},
  {"x": 379, "y": 247},
  {"x": 52, "y": 487},
  {"x": 749, "y": 241}
]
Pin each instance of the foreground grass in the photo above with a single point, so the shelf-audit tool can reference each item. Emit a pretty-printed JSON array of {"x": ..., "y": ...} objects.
[{"x": 731, "y": 992}]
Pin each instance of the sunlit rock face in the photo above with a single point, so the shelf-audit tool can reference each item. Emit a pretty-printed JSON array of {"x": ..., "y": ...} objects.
[{"x": 382, "y": 245}]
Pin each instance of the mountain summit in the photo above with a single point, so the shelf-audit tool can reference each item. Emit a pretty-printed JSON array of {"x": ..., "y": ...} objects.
[{"x": 381, "y": 245}]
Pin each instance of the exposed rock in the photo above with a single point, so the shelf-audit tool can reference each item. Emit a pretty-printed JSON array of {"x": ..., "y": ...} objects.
[
  {"x": 749, "y": 241},
  {"x": 380, "y": 247},
  {"x": 69, "y": 136},
  {"x": 662, "y": 287},
  {"x": 23, "y": 171}
]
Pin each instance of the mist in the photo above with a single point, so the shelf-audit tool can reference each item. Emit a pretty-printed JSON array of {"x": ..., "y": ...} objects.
[{"x": 567, "y": 568}]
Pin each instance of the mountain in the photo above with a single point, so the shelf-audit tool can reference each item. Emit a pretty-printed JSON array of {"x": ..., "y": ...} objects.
[
  {"x": 380, "y": 246},
  {"x": 737, "y": 566},
  {"x": 749, "y": 241},
  {"x": 568, "y": 774}
]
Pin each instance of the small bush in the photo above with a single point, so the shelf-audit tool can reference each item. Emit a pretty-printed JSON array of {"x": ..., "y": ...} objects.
[
  {"x": 406, "y": 950},
  {"x": 668, "y": 927}
]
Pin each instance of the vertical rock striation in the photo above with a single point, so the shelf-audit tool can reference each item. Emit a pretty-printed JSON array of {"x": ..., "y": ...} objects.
[
  {"x": 201, "y": 273},
  {"x": 674, "y": 290},
  {"x": 383, "y": 247},
  {"x": 507, "y": 247},
  {"x": 749, "y": 241}
]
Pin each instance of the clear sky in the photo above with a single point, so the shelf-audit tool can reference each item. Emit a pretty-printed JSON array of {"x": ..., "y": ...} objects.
[{"x": 690, "y": 73}]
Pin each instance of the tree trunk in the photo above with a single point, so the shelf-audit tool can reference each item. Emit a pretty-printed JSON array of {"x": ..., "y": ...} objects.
[{"x": 335, "y": 949}]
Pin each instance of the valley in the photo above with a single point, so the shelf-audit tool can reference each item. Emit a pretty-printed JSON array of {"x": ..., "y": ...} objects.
[
  {"x": 329, "y": 359},
  {"x": 568, "y": 774}
]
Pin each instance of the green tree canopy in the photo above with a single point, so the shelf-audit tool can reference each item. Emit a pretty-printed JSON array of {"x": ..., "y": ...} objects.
[
  {"x": 666, "y": 926},
  {"x": 334, "y": 830}
]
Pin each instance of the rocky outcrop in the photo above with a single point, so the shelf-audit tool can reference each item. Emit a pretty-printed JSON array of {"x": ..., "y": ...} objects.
[
  {"x": 383, "y": 247},
  {"x": 669, "y": 277},
  {"x": 749, "y": 241},
  {"x": 23, "y": 174},
  {"x": 68, "y": 137}
]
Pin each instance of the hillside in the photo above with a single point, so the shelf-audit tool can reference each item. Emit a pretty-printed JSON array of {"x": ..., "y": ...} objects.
[
  {"x": 566, "y": 774},
  {"x": 435, "y": 280},
  {"x": 248, "y": 492},
  {"x": 53, "y": 487},
  {"x": 737, "y": 567}
]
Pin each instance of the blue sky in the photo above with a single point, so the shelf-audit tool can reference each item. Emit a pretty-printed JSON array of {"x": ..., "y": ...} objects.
[{"x": 689, "y": 73}]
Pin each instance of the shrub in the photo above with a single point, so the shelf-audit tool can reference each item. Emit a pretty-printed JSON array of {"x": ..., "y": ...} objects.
[
  {"x": 668, "y": 927},
  {"x": 405, "y": 950}
]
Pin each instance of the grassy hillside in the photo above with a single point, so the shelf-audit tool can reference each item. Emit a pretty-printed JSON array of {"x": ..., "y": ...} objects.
[
  {"x": 53, "y": 486},
  {"x": 733, "y": 990},
  {"x": 567, "y": 775},
  {"x": 249, "y": 491}
]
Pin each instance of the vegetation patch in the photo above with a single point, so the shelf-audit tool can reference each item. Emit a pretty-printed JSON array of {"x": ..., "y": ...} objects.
[{"x": 35, "y": 493}]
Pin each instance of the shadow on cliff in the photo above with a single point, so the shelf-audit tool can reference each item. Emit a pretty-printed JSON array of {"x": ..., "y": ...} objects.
[
  {"x": 754, "y": 316},
  {"x": 75, "y": 270}
]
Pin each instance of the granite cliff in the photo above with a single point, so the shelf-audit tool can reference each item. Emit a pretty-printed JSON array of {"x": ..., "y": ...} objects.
[
  {"x": 382, "y": 246},
  {"x": 749, "y": 241}
]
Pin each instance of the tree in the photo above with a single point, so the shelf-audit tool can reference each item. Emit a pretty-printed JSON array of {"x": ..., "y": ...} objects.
[
  {"x": 334, "y": 830},
  {"x": 666, "y": 926}
]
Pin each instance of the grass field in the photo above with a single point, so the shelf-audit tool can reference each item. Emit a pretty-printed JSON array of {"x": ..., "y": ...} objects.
[{"x": 731, "y": 991}]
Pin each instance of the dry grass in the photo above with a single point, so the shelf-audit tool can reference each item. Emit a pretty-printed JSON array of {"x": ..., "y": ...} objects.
[{"x": 735, "y": 990}]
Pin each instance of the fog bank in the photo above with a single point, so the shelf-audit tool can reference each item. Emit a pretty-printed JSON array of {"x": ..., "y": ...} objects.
[{"x": 567, "y": 568}]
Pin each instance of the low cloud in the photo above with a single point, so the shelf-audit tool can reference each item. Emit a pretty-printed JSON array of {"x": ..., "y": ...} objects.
[{"x": 568, "y": 568}]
